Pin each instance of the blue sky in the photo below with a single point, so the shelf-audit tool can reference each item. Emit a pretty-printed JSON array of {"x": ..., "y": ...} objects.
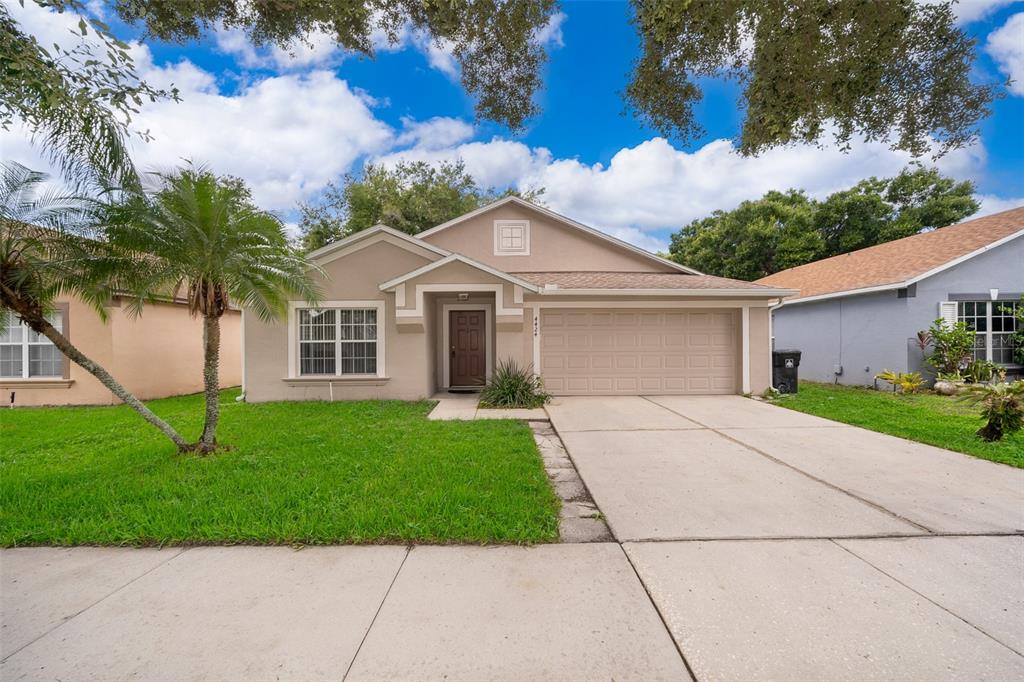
[{"x": 288, "y": 123}]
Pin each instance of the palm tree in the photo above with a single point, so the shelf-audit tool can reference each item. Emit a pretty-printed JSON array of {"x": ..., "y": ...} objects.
[
  {"x": 207, "y": 238},
  {"x": 46, "y": 251}
]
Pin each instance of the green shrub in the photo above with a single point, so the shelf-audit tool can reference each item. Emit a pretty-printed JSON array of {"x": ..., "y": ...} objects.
[
  {"x": 953, "y": 346},
  {"x": 1002, "y": 406},
  {"x": 979, "y": 371},
  {"x": 513, "y": 386}
]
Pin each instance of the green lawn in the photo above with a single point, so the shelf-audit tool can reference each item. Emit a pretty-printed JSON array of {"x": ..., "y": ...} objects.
[
  {"x": 301, "y": 472},
  {"x": 924, "y": 417}
]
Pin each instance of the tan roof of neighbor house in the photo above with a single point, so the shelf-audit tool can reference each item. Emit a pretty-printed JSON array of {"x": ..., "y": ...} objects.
[
  {"x": 898, "y": 261},
  {"x": 635, "y": 280}
]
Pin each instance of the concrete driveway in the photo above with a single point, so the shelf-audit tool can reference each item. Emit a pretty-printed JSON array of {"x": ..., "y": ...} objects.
[{"x": 778, "y": 545}]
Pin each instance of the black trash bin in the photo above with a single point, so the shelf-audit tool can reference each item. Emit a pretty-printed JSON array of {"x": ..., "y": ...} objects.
[{"x": 785, "y": 364}]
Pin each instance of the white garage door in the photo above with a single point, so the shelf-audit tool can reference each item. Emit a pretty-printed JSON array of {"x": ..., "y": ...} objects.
[{"x": 606, "y": 352}]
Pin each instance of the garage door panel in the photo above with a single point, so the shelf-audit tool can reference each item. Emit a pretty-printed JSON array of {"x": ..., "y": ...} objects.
[
  {"x": 698, "y": 361},
  {"x": 553, "y": 341},
  {"x": 651, "y": 361},
  {"x": 699, "y": 384},
  {"x": 578, "y": 362},
  {"x": 674, "y": 361},
  {"x": 552, "y": 362},
  {"x": 626, "y": 384},
  {"x": 630, "y": 352}
]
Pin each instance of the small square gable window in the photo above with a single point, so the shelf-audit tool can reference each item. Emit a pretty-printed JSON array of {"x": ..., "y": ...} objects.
[{"x": 511, "y": 237}]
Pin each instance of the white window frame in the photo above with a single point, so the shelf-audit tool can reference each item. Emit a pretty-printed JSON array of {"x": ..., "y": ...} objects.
[
  {"x": 293, "y": 338},
  {"x": 500, "y": 226},
  {"x": 990, "y": 306},
  {"x": 57, "y": 320}
]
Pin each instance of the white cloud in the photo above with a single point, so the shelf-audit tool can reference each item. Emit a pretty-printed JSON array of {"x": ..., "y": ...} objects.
[
  {"x": 317, "y": 50},
  {"x": 286, "y": 135},
  {"x": 438, "y": 53},
  {"x": 435, "y": 133},
  {"x": 652, "y": 187},
  {"x": 551, "y": 32},
  {"x": 992, "y": 204},
  {"x": 968, "y": 11},
  {"x": 1006, "y": 45}
]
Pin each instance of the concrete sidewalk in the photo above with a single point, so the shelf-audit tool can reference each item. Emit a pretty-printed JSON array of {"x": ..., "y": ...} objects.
[
  {"x": 930, "y": 608},
  {"x": 554, "y": 612}
]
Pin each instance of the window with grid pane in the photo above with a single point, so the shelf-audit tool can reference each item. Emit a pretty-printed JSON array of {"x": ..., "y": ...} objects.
[
  {"x": 511, "y": 237},
  {"x": 1004, "y": 324},
  {"x": 25, "y": 354},
  {"x": 338, "y": 341},
  {"x": 993, "y": 324}
]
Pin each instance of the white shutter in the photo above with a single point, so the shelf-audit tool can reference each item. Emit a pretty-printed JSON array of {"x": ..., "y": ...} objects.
[{"x": 947, "y": 311}]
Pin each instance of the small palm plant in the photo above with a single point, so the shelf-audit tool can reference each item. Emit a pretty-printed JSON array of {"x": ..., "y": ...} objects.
[
  {"x": 47, "y": 250},
  {"x": 908, "y": 382},
  {"x": 1002, "y": 407},
  {"x": 513, "y": 386},
  {"x": 204, "y": 236}
]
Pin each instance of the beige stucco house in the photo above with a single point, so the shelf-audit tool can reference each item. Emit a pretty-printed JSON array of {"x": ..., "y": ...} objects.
[
  {"x": 154, "y": 355},
  {"x": 405, "y": 317}
]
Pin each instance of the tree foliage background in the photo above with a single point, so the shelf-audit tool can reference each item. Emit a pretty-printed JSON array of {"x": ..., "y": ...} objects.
[
  {"x": 785, "y": 229},
  {"x": 410, "y": 197}
]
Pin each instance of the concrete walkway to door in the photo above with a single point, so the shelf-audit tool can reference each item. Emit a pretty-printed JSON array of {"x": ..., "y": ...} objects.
[{"x": 778, "y": 545}]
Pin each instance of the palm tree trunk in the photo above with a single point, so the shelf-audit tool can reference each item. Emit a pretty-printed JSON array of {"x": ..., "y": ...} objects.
[
  {"x": 80, "y": 359},
  {"x": 211, "y": 381}
]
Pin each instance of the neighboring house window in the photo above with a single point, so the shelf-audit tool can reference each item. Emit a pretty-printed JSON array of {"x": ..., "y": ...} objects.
[
  {"x": 338, "y": 341},
  {"x": 993, "y": 324},
  {"x": 25, "y": 354},
  {"x": 511, "y": 237}
]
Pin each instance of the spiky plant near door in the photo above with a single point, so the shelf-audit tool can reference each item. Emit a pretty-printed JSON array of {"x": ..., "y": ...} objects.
[{"x": 513, "y": 386}]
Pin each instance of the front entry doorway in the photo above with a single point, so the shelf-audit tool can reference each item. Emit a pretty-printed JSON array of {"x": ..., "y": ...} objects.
[{"x": 467, "y": 341}]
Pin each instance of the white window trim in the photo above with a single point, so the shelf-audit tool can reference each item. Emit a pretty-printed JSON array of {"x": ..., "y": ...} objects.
[
  {"x": 25, "y": 345},
  {"x": 988, "y": 333},
  {"x": 293, "y": 339},
  {"x": 446, "y": 308},
  {"x": 498, "y": 225}
]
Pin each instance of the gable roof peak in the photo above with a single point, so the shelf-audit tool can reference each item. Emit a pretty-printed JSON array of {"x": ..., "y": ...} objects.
[{"x": 559, "y": 218}]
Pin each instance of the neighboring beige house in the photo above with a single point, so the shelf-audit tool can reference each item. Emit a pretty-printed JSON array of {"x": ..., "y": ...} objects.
[
  {"x": 155, "y": 355},
  {"x": 405, "y": 317}
]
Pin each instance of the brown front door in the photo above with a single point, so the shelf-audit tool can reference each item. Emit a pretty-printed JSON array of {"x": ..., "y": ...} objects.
[{"x": 467, "y": 365}]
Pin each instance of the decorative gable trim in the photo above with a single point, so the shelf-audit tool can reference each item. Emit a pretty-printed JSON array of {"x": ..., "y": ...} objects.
[
  {"x": 373, "y": 235},
  {"x": 563, "y": 220},
  {"x": 457, "y": 257}
]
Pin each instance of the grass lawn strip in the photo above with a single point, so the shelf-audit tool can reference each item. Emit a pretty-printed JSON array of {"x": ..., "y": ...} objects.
[
  {"x": 924, "y": 417},
  {"x": 298, "y": 473}
]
